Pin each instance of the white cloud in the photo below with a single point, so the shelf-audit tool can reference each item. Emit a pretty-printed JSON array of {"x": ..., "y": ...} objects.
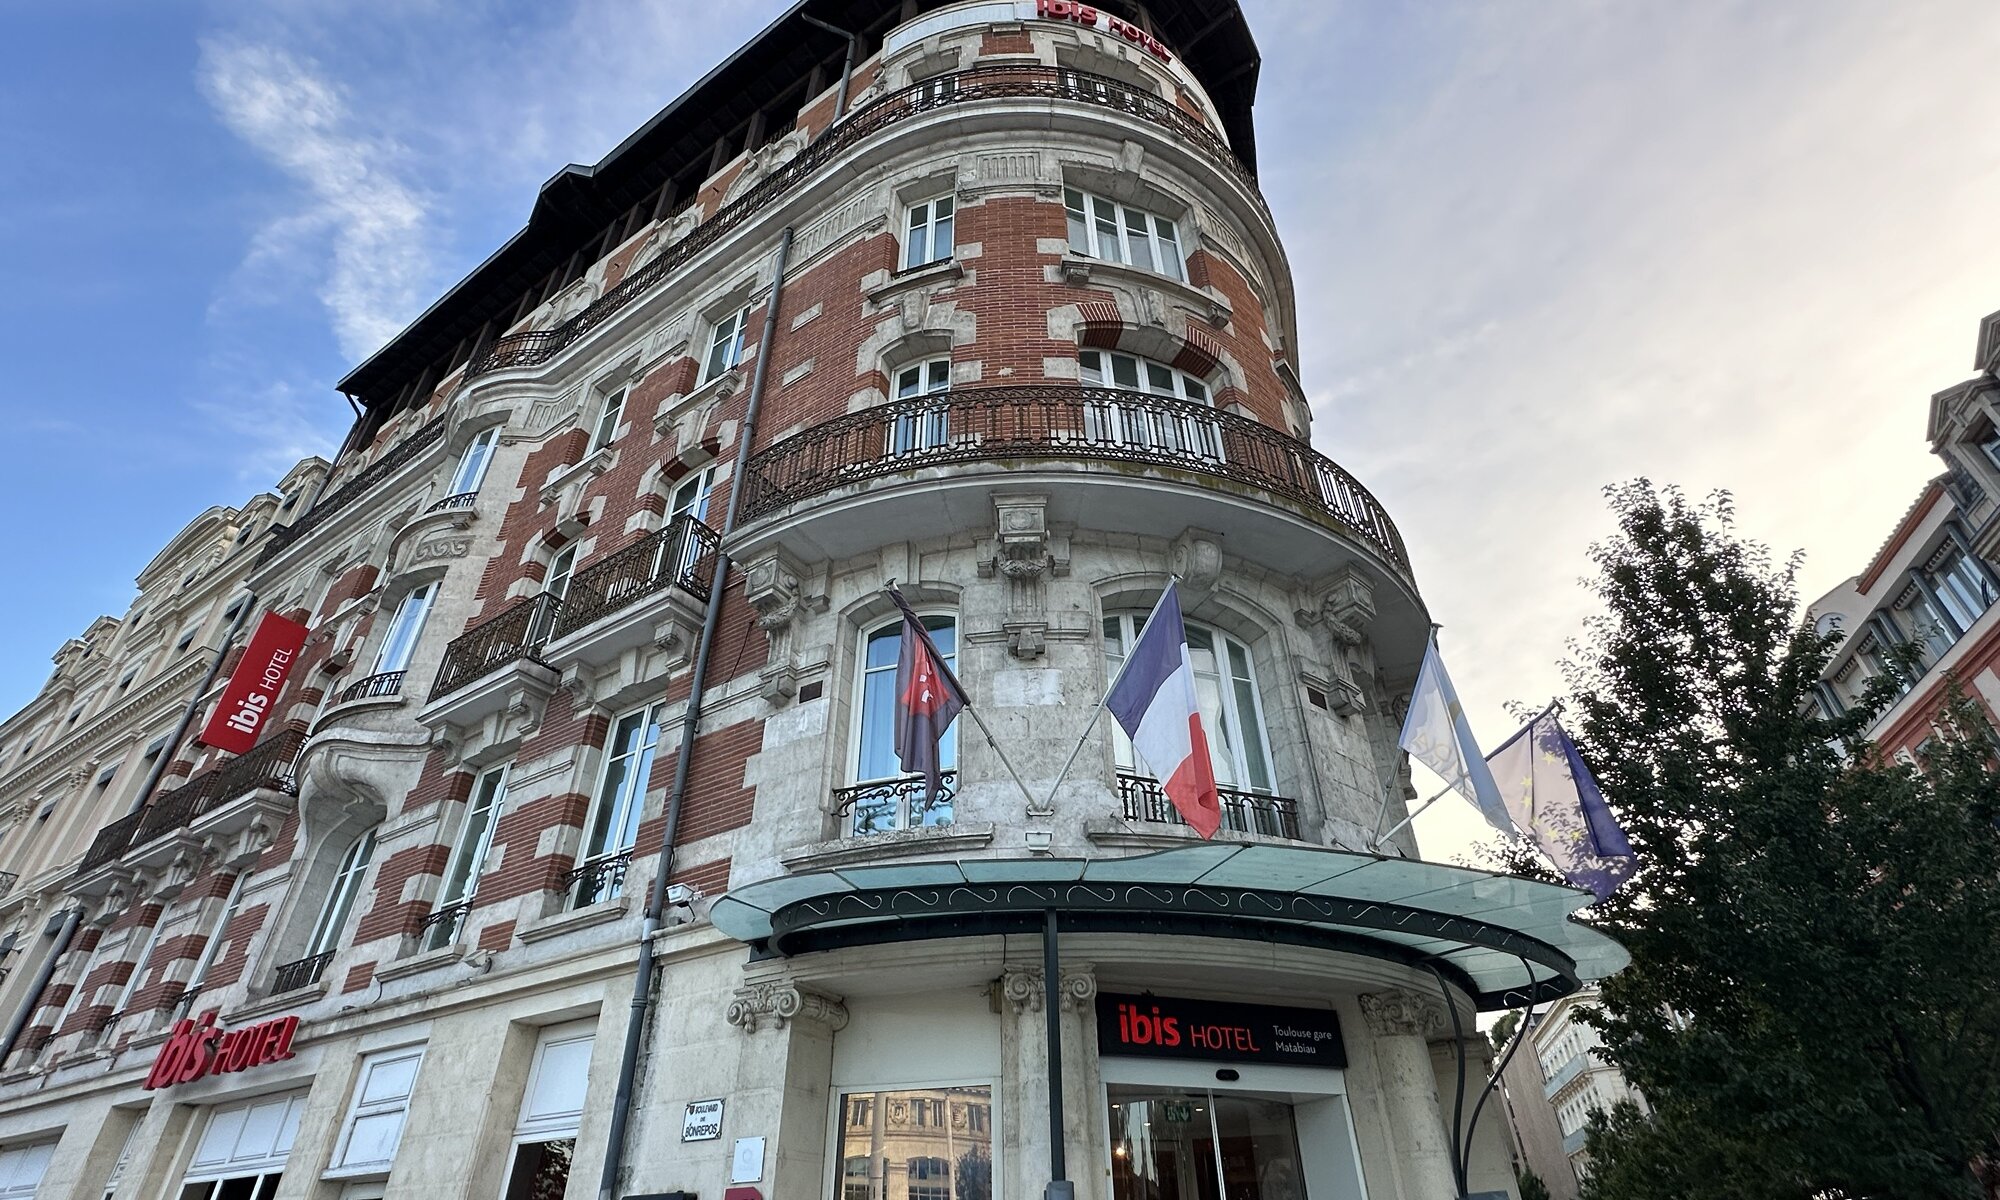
[
  {"x": 370, "y": 225},
  {"x": 1545, "y": 247}
]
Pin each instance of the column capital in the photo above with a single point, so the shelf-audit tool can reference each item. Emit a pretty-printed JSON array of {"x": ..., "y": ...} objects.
[
  {"x": 1021, "y": 987},
  {"x": 778, "y": 1003},
  {"x": 1401, "y": 1013}
]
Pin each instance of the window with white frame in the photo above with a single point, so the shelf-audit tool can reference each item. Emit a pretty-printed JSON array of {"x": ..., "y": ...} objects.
[
  {"x": 1925, "y": 622},
  {"x": 117, "y": 1175},
  {"x": 1963, "y": 588},
  {"x": 927, "y": 234},
  {"x": 473, "y": 462},
  {"x": 187, "y": 637},
  {"x": 1232, "y": 713},
  {"x": 211, "y": 947},
  {"x": 555, "y": 585},
  {"x": 1123, "y": 233},
  {"x": 468, "y": 854},
  {"x": 374, "y": 1125},
  {"x": 404, "y": 628},
  {"x": 613, "y": 824},
  {"x": 689, "y": 499},
  {"x": 609, "y": 413},
  {"x": 725, "y": 344},
  {"x": 884, "y": 798},
  {"x": 551, "y": 1112},
  {"x": 340, "y": 895},
  {"x": 243, "y": 1148},
  {"x": 140, "y": 965},
  {"x": 1153, "y": 427},
  {"x": 921, "y": 427},
  {"x": 22, "y": 1168}
]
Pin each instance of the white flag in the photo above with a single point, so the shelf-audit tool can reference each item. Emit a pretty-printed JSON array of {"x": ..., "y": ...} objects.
[{"x": 1436, "y": 735}]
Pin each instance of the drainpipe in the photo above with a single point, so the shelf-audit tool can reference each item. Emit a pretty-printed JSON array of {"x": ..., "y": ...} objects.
[
  {"x": 642, "y": 975},
  {"x": 33, "y": 1000},
  {"x": 846, "y": 67}
]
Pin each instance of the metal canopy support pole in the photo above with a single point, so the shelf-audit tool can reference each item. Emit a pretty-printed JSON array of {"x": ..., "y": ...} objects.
[{"x": 1059, "y": 1187}]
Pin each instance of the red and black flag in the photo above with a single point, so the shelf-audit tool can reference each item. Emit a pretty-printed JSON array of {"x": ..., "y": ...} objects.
[{"x": 928, "y": 699}]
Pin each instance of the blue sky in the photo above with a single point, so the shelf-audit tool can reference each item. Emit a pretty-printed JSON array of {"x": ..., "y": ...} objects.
[{"x": 1540, "y": 246}]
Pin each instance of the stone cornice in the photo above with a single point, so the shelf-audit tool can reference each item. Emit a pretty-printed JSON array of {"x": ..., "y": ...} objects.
[{"x": 58, "y": 757}]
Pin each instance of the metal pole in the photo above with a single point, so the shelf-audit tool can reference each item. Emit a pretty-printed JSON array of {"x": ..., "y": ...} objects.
[
  {"x": 1004, "y": 760},
  {"x": 847, "y": 64},
  {"x": 1059, "y": 1186},
  {"x": 642, "y": 975},
  {"x": 166, "y": 755},
  {"x": 1416, "y": 812}
]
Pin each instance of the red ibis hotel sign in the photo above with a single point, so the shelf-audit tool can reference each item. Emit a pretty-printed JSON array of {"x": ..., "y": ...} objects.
[
  {"x": 1159, "y": 1027},
  {"x": 252, "y": 695},
  {"x": 194, "y": 1050},
  {"x": 1084, "y": 14}
]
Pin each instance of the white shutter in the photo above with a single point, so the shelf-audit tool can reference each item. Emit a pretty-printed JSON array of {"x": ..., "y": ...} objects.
[
  {"x": 553, "y": 1106},
  {"x": 21, "y": 1168},
  {"x": 374, "y": 1126}
]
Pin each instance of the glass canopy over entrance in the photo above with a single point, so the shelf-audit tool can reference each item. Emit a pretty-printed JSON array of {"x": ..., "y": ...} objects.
[{"x": 1506, "y": 941}]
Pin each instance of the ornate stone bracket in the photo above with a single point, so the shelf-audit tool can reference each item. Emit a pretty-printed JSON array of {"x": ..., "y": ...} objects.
[
  {"x": 1196, "y": 556},
  {"x": 776, "y": 587},
  {"x": 1401, "y": 1013},
  {"x": 1026, "y": 553},
  {"x": 778, "y": 1003},
  {"x": 1021, "y": 987}
]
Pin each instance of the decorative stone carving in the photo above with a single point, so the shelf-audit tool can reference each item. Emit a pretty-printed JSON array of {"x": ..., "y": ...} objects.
[
  {"x": 1021, "y": 987},
  {"x": 1196, "y": 557},
  {"x": 438, "y": 548},
  {"x": 1401, "y": 1013},
  {"x": 1025, "y": 554},
  {"x": 780, "y": 1002},
  {"x": 1347, "y": 606},
  {"x": 774, "y": 585}
]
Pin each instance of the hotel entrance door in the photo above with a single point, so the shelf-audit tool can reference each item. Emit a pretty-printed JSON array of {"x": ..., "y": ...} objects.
[{"x": 1178, "y": 1144}]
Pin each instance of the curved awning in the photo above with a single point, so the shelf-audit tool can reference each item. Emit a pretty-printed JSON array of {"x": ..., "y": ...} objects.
[{"x": 1506, "y": 941}]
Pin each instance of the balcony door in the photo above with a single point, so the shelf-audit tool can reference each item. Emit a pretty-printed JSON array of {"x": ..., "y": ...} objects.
[
  {"x": 1171, "y": 430},
  {"x": 690, "y": 499}
]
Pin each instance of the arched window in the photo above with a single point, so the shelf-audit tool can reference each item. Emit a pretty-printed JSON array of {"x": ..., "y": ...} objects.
[
  {"x": 1232, "y": 715},
  {"x": 1159, "y": 428},
  {"x": 883, "y": 797},
  {"x": 930, "y": 1178}
]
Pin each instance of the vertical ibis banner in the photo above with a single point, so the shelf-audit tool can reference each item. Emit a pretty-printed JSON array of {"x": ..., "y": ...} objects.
[{"x": 252, "y": 695}]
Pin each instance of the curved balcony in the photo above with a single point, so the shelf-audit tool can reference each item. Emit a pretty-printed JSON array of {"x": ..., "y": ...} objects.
[
  {"x": 1000, "y": 81},
  {"x": 1004, "y": 425}
]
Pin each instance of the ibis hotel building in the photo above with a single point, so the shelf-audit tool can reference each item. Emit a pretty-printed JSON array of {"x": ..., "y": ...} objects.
[{"x": 554, "y": 844}]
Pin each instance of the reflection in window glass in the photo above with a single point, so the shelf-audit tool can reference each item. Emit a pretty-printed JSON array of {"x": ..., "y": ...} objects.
[
  {"x": 1232, "y": 712},
  {"x": 1166, "y": 1142},
  {"x": 921, "y": 1143},
  {"x": 902, "y": 807},
  {"x": 541, "y": 1170}
]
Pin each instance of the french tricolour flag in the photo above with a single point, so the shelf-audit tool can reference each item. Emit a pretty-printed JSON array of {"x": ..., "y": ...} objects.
[{"x": 1154, "y": 700}]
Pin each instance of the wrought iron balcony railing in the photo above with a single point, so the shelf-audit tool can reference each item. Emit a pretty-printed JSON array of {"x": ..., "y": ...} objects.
[
  {"x": 178, "y": 1004},
  {"x": 1243, "y": 812},
  {"x": 110, "y": 842},
  {"x": 441, "y": 928},
  {"x": 372, "y": 687},
  {"x": 355, "y": 488},
  {"x": 456, "y": 500},
  {"x": 515, "y": 634},
  {"x": 682, "y": 555},
  {"x": 270, "y": 764},
  {"x": 886, "y": 804},
  {"x": 304, "y": 973},
  {"x": 1059, "y": 421},
  {"x": 598, "y": 879},
  {"x": 999, "y": 81}
]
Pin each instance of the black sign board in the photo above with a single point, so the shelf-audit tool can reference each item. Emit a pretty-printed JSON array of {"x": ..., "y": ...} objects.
[{"x": 1165, "y": 1027}]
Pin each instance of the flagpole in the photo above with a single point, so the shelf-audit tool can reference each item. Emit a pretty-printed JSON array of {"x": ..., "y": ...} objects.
[
  {"x": 1414, "y": 814},
  {"x": 1430, "y": 640},
  {"x": 1098, "y": 709},
  {"x": 1004, "y": 760}
]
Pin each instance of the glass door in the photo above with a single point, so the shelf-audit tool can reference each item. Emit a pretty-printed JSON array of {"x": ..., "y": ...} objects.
[{"x": 1197, "y": 1144}]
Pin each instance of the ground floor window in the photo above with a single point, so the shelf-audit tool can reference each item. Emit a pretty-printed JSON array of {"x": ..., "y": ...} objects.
[
  {"x": 242, "y": 1152},
  {"x": 919, "y": 1143},
  {"x": 1179, "y": 1144},
  {"x": 551, "y": 1111}
]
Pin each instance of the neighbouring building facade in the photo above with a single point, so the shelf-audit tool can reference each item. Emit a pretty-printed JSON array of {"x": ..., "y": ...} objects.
[
  {"x": 1933, "y": 585},
  {"x": 1531, "y": 1114},
  {"x": 597, "y": 695}
]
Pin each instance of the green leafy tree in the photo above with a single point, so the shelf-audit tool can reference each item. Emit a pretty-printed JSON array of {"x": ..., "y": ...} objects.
[
  {"x": 1813, "y": 1007},
  {"x": 1504, "y": 1029},
  {"x": 1531, "y": 1186}
]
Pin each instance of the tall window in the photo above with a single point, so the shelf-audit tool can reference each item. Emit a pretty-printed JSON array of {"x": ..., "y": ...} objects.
[
  {"x": 468, "y": 856},
  {"x": 472, "y": 464},
  {"x": 928, "y": 238},
  {"x": 340, "y": 896},
  {"x": 1143, "y": 426},
  {"x": 1225, "y": 686},
  {"x": 551, "y": 1112},
  {"x": 1923, "y": 620},
  {"x": 374, "y": 1125},
  {"x": 139, "y": 965},
  {"x": 613, "y": 825},
  {"x": 909, "y": 1143},
  {"x": 884, "y": 797},
  {"x": 1960, "y": 584},
  {"x": 612, "y": 412},
  {"x": 555, "y": 584},
  {"x": 689, "y": 499},
  {"x": 1099, "y": 228},
  {"x": 401, "y": 640},
  {"x": 211, "y": 948},
  {"x": 926, "y": 428},
  {"x": 725, "y": 344}
]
